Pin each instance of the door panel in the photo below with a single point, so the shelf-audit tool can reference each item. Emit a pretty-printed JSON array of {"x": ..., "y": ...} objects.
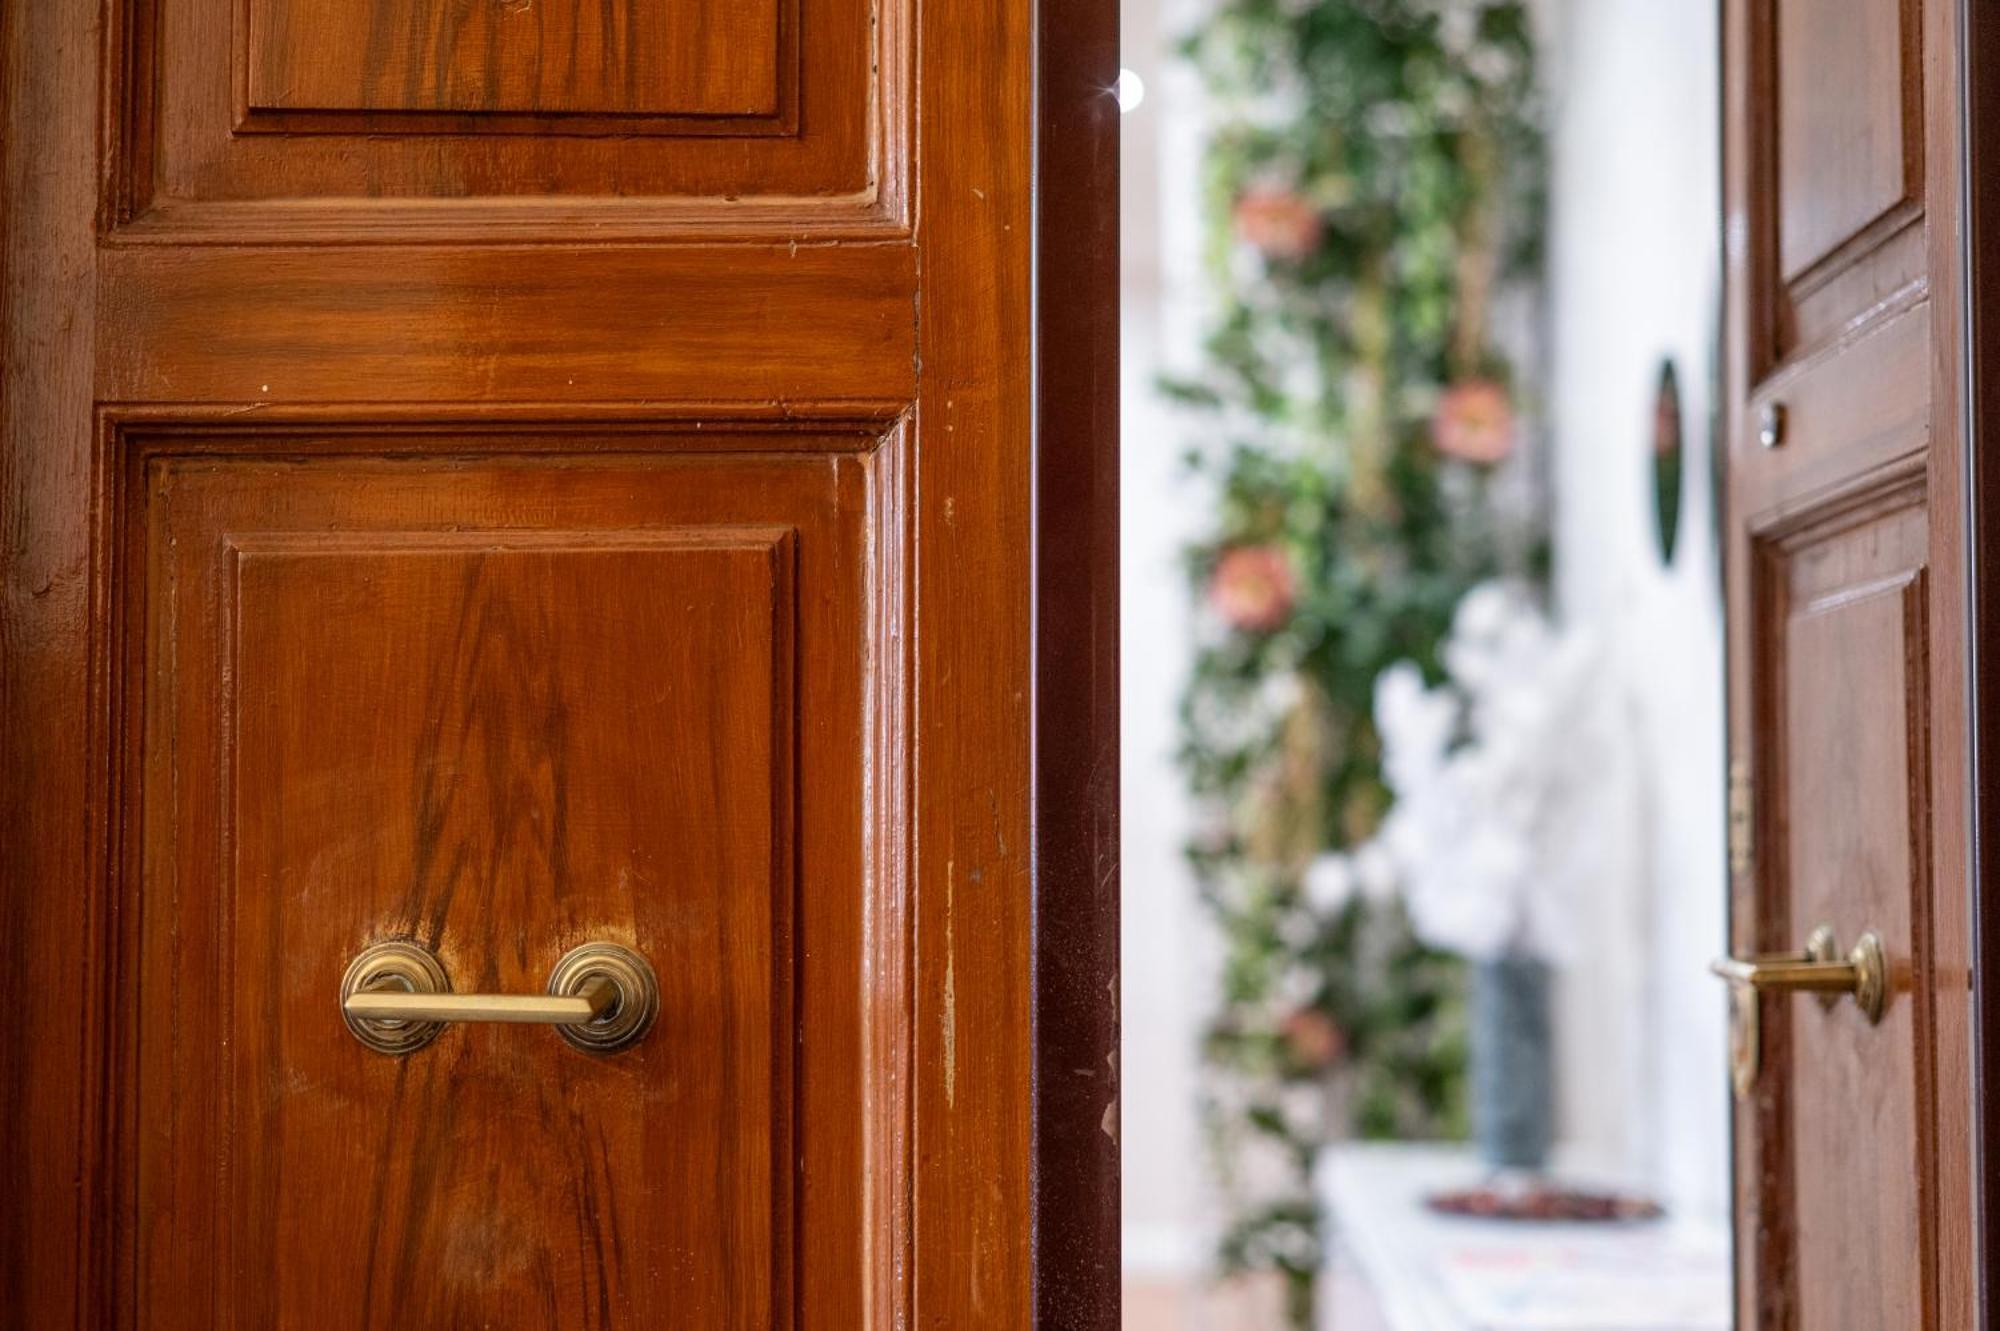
[
  {"x": 502, "y": 477},
  {"x": 563, "y": 59},
  {"x": 1840, "y": 176},
  {"x": 1845, "y": 162},
  {"x": 303, "y": 119},
  {"x": 554, "y": 789},
  {"x": 1848, "y": 790},
  {"x": 502, "y": 709},
  {"x": 1847, "y": 658}
]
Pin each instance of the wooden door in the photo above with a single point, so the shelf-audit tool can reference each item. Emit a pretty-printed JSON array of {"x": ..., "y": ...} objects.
[
  {"x": 499, "y": 478},
  {"x": 1847, "y": 593}
]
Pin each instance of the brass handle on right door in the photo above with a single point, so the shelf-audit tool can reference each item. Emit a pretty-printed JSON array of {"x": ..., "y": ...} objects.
[{"x": 1820, "y": 969}]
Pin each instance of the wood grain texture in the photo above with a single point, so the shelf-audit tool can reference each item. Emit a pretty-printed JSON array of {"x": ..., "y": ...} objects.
[
  {"x": 1847, "y": 571},
  {"x": 53, "y": 842},
  {"x": 1830, "y": 217},
  {"x": 531, "y": 57},
  {"x": 974, "y": 1036},
  {"x": 746, "y": 324},
  {"x": 505, "y": 706},
  {"x": 502, "y": 746},
  {"x": 510, "y": 340},
  {"x": 1949, "y": 982},
  {"x": 438, "y": 109},
  {"x": 1846, "y": 795},
  {"x": 1845, "y": 161}
]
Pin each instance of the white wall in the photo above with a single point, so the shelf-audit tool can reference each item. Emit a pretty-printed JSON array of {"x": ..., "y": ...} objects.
[
  {"x": 1634, "y": 277},
  {"x": 1167, "y": 972}
]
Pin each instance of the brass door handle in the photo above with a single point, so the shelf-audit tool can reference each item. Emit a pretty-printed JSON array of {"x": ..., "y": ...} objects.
[
  {"x": 396, "y": 998},
  {"x": 1820, "y": 969}
]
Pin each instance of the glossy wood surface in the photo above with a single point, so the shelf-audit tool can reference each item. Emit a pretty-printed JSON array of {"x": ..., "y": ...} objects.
[
  {"x": 1847, "y": 581},
  {"x": 1847, "y": 638},
  {"x": 506, "y": 692},
  {"x": 271, "y": 326},
  {"x": 502, "y": 711},
  {"x": 560, "y": 57},
  {"x": 1982, "y": 243},
  {"x": 502, "y": 508},
  {"x": 1844, "y": 162},
  {"x": 289, "y": 120}
]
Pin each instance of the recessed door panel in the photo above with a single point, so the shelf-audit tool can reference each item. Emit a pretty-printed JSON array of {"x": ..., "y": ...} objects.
[
  {"x": 500, "y": 710},
  {"x": 1828, "y": 126},
  {"x": 310, "y": 120},
  {"x": 1846, "y": 160},
  {"x": 1849, "y": 806},
  {"x": 557, "y": 57}
]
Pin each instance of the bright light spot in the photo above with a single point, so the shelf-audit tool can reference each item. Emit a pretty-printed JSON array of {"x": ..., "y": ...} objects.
[{"x": 1131, "y": 90}]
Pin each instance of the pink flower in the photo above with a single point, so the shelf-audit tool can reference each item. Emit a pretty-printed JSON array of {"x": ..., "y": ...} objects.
[
  {"x": 1474, "y": 422},
  {"x": 1312, "y": 1039},
  {"x": 1253, "y": 588},
  {"x": 1278, "y": 222}
]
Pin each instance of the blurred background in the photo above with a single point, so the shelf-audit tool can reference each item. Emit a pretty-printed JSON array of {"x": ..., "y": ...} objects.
[{"x": 1424, "y": 790}]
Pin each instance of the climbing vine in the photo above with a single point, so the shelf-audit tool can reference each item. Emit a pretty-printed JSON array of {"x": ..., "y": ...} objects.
[{"x": 1373, "y": 179}]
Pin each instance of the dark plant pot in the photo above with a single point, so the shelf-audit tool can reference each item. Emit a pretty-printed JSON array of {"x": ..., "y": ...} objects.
[{"x": 1513, "y": 1082}]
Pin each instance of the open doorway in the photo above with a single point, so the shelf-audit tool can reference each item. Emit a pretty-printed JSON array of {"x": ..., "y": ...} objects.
[{"x": 1425, "y": 796}]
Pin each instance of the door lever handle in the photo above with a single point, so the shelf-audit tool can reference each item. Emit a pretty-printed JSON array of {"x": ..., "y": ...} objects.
[
  {"x": 1820, "y": 969},
  {"x": 597, "y": 996},
  {"x": 396, "y": 998}
]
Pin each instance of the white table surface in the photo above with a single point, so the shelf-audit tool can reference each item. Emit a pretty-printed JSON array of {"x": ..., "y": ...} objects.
[{"x": 1434, "y": 1272}]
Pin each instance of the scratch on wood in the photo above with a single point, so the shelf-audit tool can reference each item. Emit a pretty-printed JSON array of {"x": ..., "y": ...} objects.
[
  {"x": 1110, "y": 1124},
  {"x": 950, "y": 1019}
]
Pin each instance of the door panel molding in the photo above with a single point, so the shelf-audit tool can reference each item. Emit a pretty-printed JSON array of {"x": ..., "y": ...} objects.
[
  {"x": 219, "y": 130},
  {"x": 330, "y": 465},
  {"x": 1841, "y": 605},
  {"x": 1823, "y": 241},
  {"x": 710, "y": 66}
]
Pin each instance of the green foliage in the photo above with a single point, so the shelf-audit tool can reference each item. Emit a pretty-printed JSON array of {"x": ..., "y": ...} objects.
[{"x": 1373, "y": 184}]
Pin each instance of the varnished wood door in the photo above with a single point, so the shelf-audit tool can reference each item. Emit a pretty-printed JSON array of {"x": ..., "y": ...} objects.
[
  {"x": 1847, "y": 591},
  {"x": 506, "y": 476}
]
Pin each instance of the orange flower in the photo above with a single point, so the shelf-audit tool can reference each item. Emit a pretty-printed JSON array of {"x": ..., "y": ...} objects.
[
  {"x": 1312, "y": 1039},
  {"x": 1474, "y": 422},
  {"x": 1253, "y": 588},
  {"x": 1279, "y": 223}
]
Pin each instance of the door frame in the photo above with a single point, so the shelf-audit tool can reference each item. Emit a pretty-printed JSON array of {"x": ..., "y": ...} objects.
[
  {"x": 1076, "y": 1099},
  {"x": 1979, "y": 75}
]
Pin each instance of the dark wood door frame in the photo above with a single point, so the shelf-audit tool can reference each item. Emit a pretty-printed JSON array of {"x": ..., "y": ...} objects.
[
  {"x": 1076, "y": 642},
  {"x": 1979, "y": 70}
]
